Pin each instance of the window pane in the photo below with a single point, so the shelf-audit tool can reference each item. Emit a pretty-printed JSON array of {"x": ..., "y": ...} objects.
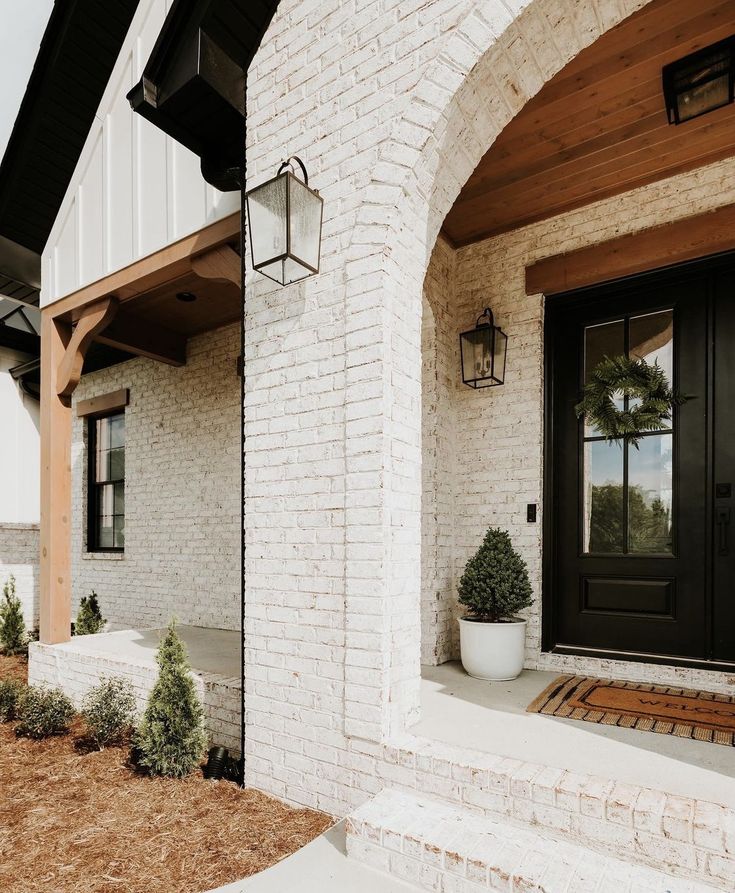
[
  {"x": 650, "y": 494},
  {"x": 603, "y": 497},
  {"x": 116, "y": 464},
  {"x": 119, "y": 531},
  {"x": 105, "y": 500},
  {"x": 606, "y": 340},
  {"x": 119, "y": 499},
  {"x": 116, "y": 425},
  {"x": 652, "y": 340},
  {"x": 105, "y": 539}
]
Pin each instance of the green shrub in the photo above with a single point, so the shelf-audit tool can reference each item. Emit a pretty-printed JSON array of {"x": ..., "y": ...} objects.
[
  {"x": 10, "y": 692},
  {"x": 171, "y": 737},
  {"x": 495, "y": 584},
  {"x": 42, "y": 712},
  {"x": 13, "y": 636},
  {"x": 109, "y": 711},
  {"x": 89, "y": 617}
]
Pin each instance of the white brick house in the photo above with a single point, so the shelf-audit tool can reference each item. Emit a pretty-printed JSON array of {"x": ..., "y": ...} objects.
[{"x": 370, "y": 470}]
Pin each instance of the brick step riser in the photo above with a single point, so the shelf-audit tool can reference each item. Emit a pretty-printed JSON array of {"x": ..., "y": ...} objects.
[{"x": 688, "y": 838}]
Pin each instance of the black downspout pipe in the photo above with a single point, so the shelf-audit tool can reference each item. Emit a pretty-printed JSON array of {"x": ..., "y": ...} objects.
[{"x": 243, "y": 267}]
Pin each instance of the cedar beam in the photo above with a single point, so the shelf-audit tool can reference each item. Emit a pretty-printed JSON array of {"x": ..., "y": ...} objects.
[
  {"x": 55, "y": 558},
  {"x": 221, "y": 263},
  {"x": 94, "y": 319},
  {"x": 144, "y": 339},
  {"x": 661, "y": 246}
]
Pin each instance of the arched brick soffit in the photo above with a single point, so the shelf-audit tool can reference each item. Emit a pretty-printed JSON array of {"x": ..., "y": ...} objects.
[{"x": 499, "y": 56}]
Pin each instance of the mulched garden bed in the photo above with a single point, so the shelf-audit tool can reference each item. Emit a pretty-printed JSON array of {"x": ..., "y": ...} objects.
[{"x": 74, "y": 819}]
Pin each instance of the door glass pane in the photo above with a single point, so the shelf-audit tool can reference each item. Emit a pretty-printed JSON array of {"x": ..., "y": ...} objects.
[
  {"x": 603, "y": 497},
  {"x": 606, "y": 340},
  {"x": 652, "y": 339},
  {"x": 650, "y": 494}
]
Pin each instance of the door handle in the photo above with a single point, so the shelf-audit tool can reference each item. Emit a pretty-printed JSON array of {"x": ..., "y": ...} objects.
[{"x": 723, "y": 524}]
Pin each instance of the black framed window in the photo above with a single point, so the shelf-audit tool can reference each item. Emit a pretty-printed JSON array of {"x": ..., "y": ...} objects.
[{"x": 106, "y": 494}]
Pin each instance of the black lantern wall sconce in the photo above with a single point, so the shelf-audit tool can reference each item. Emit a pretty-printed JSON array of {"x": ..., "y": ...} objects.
[
  {"x": 483, "y": 351},
  {"x": 700, "y": 82},
  {"x": 285, "y": 225}
]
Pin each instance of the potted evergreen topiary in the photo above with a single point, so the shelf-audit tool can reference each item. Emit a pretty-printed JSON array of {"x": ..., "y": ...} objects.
[{"x": 493, "y": 588}]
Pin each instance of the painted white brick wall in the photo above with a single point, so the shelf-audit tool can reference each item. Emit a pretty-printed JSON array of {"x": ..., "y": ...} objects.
[
  {"x": 19, "y": 557},
  {"x": 182, "y": 491},
  {"x": 392, "y": 105}
]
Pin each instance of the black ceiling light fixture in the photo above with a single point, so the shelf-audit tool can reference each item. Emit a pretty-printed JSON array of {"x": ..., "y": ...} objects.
[
  {"x": 186, "y": 297},
  {"x": 700, "y": 82}
]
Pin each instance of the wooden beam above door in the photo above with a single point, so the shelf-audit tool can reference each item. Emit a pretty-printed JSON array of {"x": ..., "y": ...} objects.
[{"x": 651, "y": 249}]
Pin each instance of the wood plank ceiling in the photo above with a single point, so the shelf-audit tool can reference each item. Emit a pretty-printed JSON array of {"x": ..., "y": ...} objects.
[{"x": 599, "y": 127}]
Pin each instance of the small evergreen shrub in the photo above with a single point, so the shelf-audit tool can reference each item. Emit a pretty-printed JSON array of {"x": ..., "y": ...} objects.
[
  {"x": 10, "y": 693},
  {"x": 13, "y": 636},
  {"x": 89, "y": 617},
  {"x": 171, "y": 737},
  {"x": 109, "y": 711},
  {"x": 495, "y": 584},
  {"x": 42, "y": 712}
]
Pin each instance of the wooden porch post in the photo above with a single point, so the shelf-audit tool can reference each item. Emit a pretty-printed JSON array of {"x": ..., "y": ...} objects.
[{"x": 55, "y": 578}]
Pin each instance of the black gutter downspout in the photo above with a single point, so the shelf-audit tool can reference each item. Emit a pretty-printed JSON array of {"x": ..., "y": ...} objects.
[{"x": 243, "y": 269}]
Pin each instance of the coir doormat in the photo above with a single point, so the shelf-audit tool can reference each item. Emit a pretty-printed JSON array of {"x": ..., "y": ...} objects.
[{"x": 683, "y": 712}]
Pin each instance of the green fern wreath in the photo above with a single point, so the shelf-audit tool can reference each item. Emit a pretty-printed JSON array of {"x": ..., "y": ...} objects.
[{"x": 633, "y": 378}]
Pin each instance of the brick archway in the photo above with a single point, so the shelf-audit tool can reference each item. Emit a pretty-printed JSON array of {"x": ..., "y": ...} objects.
[{"x": 484, "y": 74}]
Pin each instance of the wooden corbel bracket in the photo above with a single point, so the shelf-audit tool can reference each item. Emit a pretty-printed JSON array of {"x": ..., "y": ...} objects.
[
  {"x": 93, "y": 320},
  {"x": 221, "y": 263}
]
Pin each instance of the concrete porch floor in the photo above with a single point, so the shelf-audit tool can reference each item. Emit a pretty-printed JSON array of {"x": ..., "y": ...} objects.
[
  {"x": 210, "y": 650},
  {"x": 491, "y": 717}
]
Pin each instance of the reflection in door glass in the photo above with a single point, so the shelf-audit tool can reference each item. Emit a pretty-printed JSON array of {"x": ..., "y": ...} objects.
[
  {"x": 606, "y": 340},
  {"x": 652, "y": 339},
  {"x": 603, "y": 497},
  {"x": 650, "y": 494}
]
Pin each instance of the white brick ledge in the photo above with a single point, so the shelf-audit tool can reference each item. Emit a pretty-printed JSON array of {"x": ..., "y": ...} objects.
[{"x": 440, "y": 848}]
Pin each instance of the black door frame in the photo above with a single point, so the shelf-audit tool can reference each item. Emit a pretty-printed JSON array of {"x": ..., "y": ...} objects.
[{"x": 606, "y": 290}]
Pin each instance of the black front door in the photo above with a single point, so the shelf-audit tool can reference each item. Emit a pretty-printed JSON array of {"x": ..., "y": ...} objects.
[{"x": 639, "y": 542}]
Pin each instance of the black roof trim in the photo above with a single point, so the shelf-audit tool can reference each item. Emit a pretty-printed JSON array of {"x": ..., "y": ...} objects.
[{"x": 75, "y": 60}]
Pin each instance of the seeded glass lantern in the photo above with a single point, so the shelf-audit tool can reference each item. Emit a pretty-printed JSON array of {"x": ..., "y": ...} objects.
[
  {"x": 700, "y": 82},
  {"x": 285, "y": 225},
  {"x": 483, "y": 353}
]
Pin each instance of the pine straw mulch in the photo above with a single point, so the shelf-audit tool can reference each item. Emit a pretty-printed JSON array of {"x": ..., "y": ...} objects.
[{"x": 75, "y": 820}]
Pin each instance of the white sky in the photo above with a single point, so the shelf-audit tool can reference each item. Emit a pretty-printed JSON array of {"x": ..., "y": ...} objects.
[{"x": 22, "y": 23}]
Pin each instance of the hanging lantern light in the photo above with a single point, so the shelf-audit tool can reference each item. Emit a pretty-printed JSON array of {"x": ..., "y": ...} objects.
[
  {"x": 285, "y": 225},
  {"x": 483, "y": 352}
]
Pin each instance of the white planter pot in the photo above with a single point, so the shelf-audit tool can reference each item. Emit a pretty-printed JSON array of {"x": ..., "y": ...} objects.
[{"x": 492, "y": 651}]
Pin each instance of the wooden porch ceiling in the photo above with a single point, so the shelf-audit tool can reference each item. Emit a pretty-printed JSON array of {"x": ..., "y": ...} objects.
[{"x": 599, "y": 127}]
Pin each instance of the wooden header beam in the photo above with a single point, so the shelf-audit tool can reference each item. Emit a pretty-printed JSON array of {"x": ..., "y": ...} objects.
[
  {"x": 651, "y": 249},
  {"x": 104, "y": 403}
]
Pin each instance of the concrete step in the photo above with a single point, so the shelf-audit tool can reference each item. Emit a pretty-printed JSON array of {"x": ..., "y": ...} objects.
[{"x": 441, "y": 848}]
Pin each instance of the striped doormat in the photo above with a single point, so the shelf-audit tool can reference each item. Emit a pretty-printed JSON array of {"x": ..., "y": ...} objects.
[{"x": 683, "y": 712}]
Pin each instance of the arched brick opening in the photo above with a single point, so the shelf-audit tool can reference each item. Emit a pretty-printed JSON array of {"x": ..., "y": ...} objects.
[{"x": 487, "y": 70}]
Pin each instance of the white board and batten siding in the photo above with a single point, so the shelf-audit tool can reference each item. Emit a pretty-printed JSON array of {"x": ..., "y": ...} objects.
[{"x": 134, "y": 190}]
